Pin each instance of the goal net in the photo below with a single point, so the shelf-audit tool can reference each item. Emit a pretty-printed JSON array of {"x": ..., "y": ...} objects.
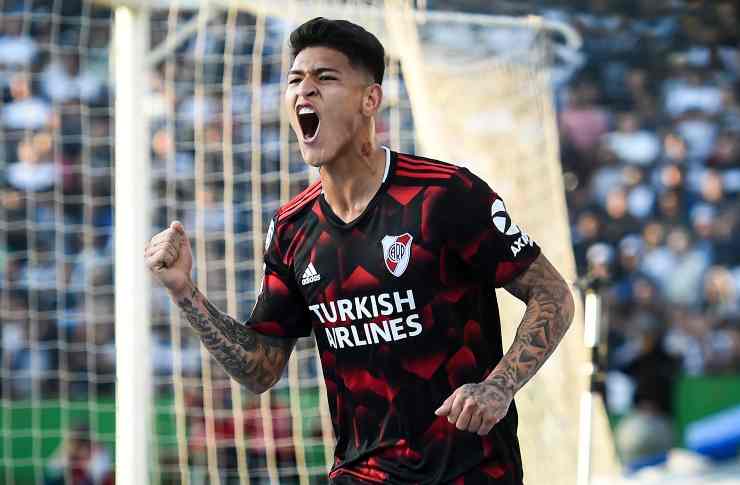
[{"x": 471, "y": 90}]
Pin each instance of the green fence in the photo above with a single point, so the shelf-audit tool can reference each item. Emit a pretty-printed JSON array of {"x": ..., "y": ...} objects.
[{"x": 28, "y": 430}]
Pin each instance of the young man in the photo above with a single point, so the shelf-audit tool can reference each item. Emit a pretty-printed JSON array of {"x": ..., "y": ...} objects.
[{"x": 391, "y": 260}]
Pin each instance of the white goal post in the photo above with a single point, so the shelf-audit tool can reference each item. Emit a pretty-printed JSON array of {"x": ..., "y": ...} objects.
[{"x": 132, "y": 227}]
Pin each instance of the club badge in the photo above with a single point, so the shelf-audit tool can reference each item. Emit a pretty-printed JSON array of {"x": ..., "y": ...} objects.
[{"x": 397, "y": 253}]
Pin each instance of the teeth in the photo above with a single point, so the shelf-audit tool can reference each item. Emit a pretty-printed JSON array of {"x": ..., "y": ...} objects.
[{"x": 305, "y": 110}]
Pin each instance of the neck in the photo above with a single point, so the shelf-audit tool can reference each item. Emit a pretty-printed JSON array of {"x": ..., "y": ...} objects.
[{"x": 351, "y": 181}]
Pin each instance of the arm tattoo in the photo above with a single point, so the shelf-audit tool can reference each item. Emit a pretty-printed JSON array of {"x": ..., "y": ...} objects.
[
  {"x": 549, "y": 312},
  {"x": 252, "y": 359}
]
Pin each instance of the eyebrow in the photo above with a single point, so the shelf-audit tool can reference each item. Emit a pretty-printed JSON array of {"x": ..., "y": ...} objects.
[{"x": 317, "y": 71}]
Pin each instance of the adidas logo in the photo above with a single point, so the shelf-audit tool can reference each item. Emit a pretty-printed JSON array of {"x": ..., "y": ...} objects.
[{"x": 310, "y": 275}]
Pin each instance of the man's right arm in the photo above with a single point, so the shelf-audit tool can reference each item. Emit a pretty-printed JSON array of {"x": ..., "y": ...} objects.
[{"x": 252, "y": 359}]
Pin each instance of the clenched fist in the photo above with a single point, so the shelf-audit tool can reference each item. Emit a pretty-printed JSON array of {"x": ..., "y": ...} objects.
[
  {"x": 477, "y": 407},
  {"x": 169, "y": 258}
]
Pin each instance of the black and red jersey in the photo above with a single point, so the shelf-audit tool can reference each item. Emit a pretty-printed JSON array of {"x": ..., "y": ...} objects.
[{"x": 402, "y": 305}]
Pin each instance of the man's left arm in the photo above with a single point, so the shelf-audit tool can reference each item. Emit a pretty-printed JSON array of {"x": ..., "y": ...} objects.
[{"x": 478, "y": 407}]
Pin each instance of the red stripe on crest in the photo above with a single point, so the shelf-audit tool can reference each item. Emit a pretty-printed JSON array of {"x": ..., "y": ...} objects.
[
  {"x": 428, "y": 161},
  {"x": 424, "y": 166},
  {"x": 307, "y": 192},
  {"x": 300, "y": 201},
  {"x": 421, "y": 175}
]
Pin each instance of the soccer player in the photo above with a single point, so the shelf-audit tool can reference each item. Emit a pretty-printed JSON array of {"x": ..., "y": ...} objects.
[{"x": 391, "y": 260}]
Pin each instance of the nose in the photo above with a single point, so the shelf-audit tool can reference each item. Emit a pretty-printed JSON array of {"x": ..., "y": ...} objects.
[{"x": 306, "y": 88}]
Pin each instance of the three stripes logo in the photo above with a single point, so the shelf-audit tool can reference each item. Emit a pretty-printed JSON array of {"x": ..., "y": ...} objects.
[{"x": 310, "y": 275}]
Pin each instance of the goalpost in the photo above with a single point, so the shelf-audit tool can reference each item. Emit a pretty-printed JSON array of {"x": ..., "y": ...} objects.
[{"x": 200, "y": 137}]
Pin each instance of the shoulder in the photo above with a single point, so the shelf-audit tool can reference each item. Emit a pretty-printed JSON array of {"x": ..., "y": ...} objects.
[
  {"x": 443, "y": 177},
  {"x": 417, "y": 170},
  {"x": 298, "y": 204},
  {"x": 287, "y": 223}
]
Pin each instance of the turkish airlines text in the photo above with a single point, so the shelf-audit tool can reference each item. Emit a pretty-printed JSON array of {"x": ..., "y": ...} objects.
[{"x": 397, "y": 306}]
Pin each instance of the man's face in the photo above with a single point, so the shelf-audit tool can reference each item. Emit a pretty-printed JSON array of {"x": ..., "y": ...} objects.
[{"x": 325, "y": 97}]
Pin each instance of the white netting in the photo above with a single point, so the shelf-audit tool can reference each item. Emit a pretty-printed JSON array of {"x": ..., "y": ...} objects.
[{"x": 56, "y": 291}]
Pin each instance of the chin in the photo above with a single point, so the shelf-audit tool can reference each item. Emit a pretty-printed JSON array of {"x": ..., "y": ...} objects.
[{"x": 315, "y": 157}]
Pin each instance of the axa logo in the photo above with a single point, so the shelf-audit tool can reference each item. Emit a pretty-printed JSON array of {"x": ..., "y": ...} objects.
[
  {"x": 310, "y": 275},
  {"x": 397, "y": 253},
  {"x": 520, "y": 243},
  {"x": 501, "y": 219}
]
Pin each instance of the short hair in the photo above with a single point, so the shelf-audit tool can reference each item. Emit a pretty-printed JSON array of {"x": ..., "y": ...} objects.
[{"x": 362, "y": 48}]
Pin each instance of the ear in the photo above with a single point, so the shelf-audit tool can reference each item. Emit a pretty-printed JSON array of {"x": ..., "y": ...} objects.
[{"x": 372, "y": 99}]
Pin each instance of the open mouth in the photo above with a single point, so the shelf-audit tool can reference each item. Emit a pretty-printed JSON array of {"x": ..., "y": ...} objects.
[{"x": 309, "y": 121}]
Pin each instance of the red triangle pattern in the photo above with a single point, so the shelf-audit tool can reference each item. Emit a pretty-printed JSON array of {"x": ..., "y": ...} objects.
[
  {"x": 360, "y": 381},
  {"x": 424, "y": 366},
  {"x": 360, "y": 279},
  {"x": 403, "y": 194},
  {"x": 460, "y": 367}
]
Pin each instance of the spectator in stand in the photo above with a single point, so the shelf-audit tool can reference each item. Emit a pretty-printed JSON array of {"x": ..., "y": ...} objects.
[
  {"x": 586, "y": 233},
  {"x": 631, "y": 143},
  {"x": 670, "y": 208},
  {"x": 725, "y": 158},
  {"x": 730, "y": 117},
  {"x": 582, "y": 124},
  {"x": 35, "y": 170},
  {"x": 64, "y": 79},
  {"x": 621, "y": 222},
  {"x": 608, "y": 175},
  {"x": 80, "y": 460},
  {"x": 700, "y": 131},
  {"x": 681, "y": 280},
  {"x": 639, "y": 95},
  {"x": 725, "y": 236},
  {"x": 628, "y": 271},
  {"x": 25, "y": 111},
  {"x": 712, "y": 189},
  {"x": 691, "y": 90},
  {"x": 675, "y": 150},
  {"x": 641, "y": 195},
  {"x": 17, "y": 48},
  {"x": 720, "y": 296},
  {"x": 702, "y": 224}
]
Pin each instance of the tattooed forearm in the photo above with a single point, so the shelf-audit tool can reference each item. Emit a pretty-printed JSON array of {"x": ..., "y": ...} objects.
[
  {"x": 549, "y": 312},
  {"x": 254, "y": 360}
]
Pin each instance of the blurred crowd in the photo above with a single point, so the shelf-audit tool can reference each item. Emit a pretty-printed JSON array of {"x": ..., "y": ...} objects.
[
  {"x": 56, "y": 271},
  {"x": 649, "y": 116},
  {"x": 650, "y": 140},
  {"x": 650, "y": 146}
]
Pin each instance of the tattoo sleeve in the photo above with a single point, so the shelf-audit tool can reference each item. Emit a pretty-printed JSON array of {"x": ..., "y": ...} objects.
[
  {"x": 254, "y": 360},
  {"x": 549, "y": 312}
]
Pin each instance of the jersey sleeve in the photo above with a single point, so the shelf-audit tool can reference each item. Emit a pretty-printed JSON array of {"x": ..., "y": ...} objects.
[
  {"x": 478, "y": 229},
  {"x": 280, "y": 310}
]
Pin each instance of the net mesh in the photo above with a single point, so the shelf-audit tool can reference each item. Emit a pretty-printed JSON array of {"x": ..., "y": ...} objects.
[
  {"x": 56, "y": 293},
  {"x": 223, "y": 160}
]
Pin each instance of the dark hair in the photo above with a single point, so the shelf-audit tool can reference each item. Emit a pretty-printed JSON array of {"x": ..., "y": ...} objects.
[{"x": 363, "y": 49}]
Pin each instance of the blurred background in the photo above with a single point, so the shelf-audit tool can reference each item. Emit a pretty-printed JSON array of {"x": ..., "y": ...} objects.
[{"x": 648, "y": 112}]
